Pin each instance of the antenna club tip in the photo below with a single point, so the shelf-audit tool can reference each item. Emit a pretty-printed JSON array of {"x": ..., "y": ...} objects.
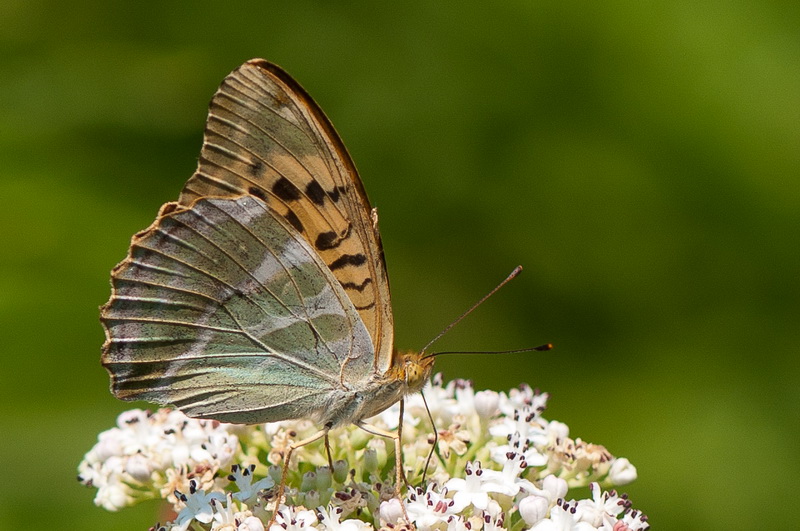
[
  {"x": 517, "y": 270},
  {"x": 542, "y": 348}
]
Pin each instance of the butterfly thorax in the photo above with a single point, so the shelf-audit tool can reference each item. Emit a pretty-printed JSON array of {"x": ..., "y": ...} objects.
[{"x": 407, "y": 374}]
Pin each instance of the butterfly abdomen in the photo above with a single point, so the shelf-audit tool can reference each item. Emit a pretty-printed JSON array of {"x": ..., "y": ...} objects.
[{"x": 348, "y": 406}]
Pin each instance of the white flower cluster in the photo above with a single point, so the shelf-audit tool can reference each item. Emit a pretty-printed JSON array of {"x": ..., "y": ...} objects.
[
  {"x": 498, "y": 465},
  {"x": 164, "y": 448}
]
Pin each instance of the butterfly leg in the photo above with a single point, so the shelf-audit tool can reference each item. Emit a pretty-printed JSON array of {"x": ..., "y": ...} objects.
[
  {"x": 398, "y": 456},
  {"x": 285, "y": 474},
  {"x": 435, "y": 439},
  {"x": 328, "y": 451}
]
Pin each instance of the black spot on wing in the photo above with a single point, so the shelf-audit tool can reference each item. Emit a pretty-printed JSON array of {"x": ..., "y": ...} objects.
[
  {"x": 335, "y": 193},
  {"x": 315, "y": 192},
  {"x": 326, "y": 240},
  {"x": 346, "y": 260},
  {"x": 365, "y": 307},
  {"x": 330, "y": 239},
  {"x": 357, "y": 287},
  {"x": 292, "y": 218},
  {"x": 258, "y": 192},
  {"x": 284, "y": 189},
  {"x": 256, "y": 168}
]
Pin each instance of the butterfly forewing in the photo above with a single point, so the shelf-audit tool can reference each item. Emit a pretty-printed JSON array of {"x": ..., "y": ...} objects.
[
  {"x": 224, "y": 310},
  {"x": 266, "y": 137}
]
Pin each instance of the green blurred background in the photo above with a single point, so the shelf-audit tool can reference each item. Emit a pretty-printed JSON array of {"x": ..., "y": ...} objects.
[{"x": 642, "y": 161}]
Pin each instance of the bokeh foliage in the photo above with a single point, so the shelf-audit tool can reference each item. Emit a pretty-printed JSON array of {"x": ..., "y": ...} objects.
[{"x": 639, "y": 159}]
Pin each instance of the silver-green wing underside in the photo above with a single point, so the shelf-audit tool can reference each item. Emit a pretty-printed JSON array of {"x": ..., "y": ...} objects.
[{"x": 225, "y": 311}]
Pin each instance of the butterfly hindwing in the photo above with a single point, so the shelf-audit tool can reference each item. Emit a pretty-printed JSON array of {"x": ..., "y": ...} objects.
[
  {"x": 266, "y": 137},
  {"x": 225, "y": 311}
]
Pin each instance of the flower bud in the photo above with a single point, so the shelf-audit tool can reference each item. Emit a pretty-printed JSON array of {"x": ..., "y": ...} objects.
[
  {"x": 324, "y": 479},
  {"x": 486, "y": 403},
  {"x": 312, "y": 499},
  {"x": 533, "y": 508},
  {"x": 391, "y": 511},
  {"x": 308, "y": 482},
  {"x": 275, "y": 472},
  {"x": 370, "y": 460},
  {"x": 340, "y": 470},
  {"x": 622, "y": 472},
  {"x": 138, "y": 466}
]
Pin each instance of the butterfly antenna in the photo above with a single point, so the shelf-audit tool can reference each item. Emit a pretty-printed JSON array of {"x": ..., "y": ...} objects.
[
  {"x": 540, "y": 348},
  {"x": 517, "y": 271}
]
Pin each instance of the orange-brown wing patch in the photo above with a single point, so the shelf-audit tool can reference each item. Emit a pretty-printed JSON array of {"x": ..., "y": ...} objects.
[{"x": 266, "y": 137}]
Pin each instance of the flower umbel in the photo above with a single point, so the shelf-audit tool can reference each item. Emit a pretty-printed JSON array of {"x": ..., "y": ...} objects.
[{"x": 503, "y": 466}]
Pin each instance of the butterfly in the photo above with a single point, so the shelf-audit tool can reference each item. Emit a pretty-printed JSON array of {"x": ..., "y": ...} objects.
[{"x": 261, "y": 294}]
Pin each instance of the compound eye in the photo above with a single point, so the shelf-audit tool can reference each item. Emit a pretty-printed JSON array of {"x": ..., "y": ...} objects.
[{"x": 413, "y": 374}]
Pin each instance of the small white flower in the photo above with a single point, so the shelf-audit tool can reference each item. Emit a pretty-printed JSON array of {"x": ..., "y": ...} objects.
[
  {"x": 474, "y": 489},
  {"x": 291, "y": 519},
  {"x": 109, "y": 443},
  {"x": 217, "y": 448},
  {"x": 523, "y": 396},
  {"x": 441, "y": 400},
  {"x": 330, "y": 519},
  {"x": 112, "y": 492},
  {"x": 552, "y": 489},
  {"x": 391, "y": 511},
  {"x": 139, "y": 467},
  {"x": 486, "y": 404},
  {"x": 457, "y": 523},
  {"x": 492, "y": 522},
  {"x": 508, "y": 479},
  {"x": 225, "y": 516},
  {"x": 243, "y": 476},
  {"x": 535, "y": 507},
  {"x": 198, "y": 506},
  {"x": 251, "y": 523},
  {"x": 465, "y": 398},
  {"x": 525, "y": 422},
  {"x": 453, "y": 440},
  {"x": 632, "y": 521},
  {"x": 427, "y": 509},
  {"x": 621, "y": 472},
  {"x": 518, "y": 445},
  {"x": 602, "y": 509},
  {"x": 557, "y": 430},
  {"x": 494, "y": 511},
  {"x": 562, "y": 519}
]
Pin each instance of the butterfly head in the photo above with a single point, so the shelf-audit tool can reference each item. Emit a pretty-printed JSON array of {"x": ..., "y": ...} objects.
[{"x": 414, "y": 368}]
